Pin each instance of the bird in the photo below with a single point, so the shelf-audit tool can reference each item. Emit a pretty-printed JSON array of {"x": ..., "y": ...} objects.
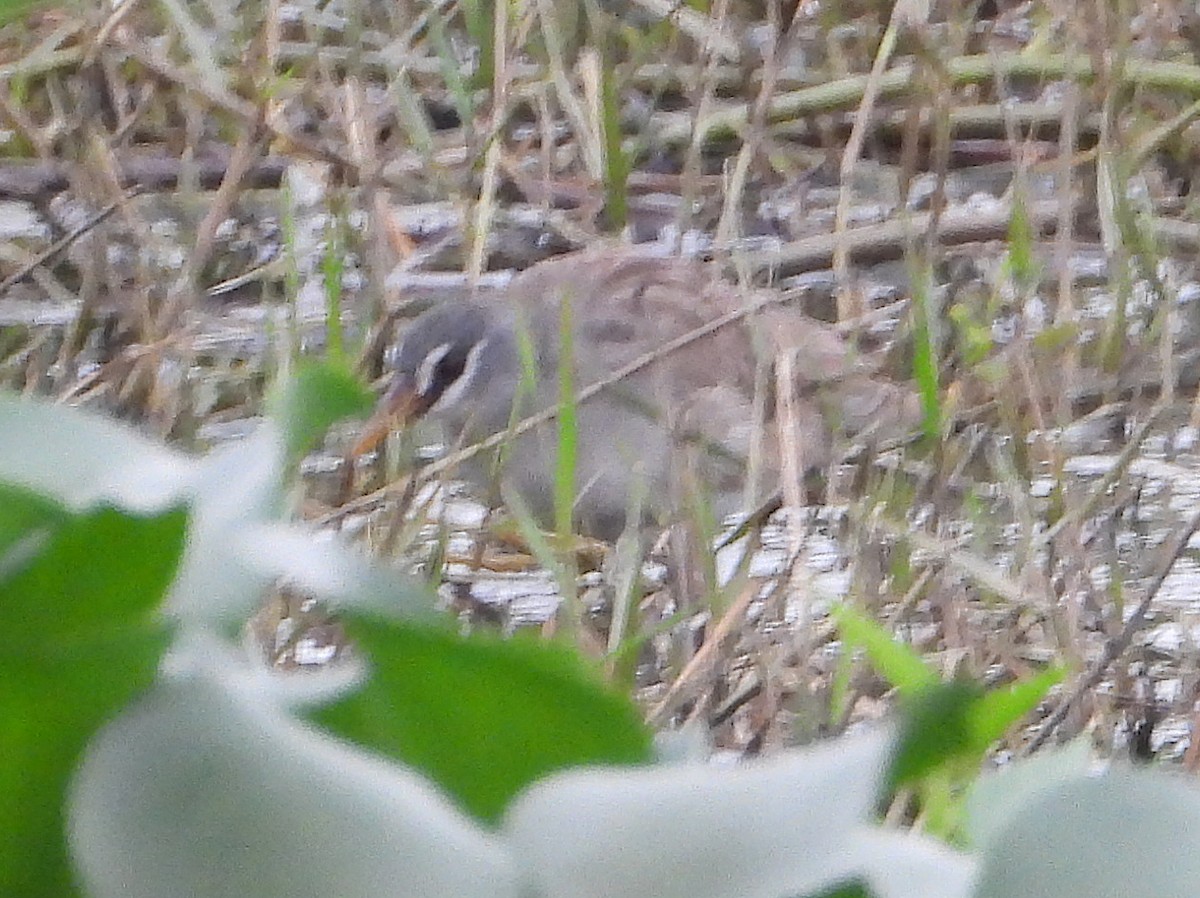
[{"x": 688, "y": 362}]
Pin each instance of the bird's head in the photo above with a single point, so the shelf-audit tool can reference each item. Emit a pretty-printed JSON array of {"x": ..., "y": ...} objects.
[{"x": 446, "y": 358}]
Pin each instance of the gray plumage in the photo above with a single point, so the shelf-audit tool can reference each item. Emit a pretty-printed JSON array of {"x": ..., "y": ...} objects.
[{"x": 686, "y": 420}]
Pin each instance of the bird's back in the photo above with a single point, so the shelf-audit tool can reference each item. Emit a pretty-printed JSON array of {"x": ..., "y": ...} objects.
[
  {"x": 696, "y": 409},
  {"x": 626, "y": 304},
  {"x": 700, "y": 411}
]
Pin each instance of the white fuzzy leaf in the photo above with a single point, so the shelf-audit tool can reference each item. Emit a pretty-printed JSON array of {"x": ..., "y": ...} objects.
[
  {"x": 202, "y": 791},
  {"x": 784, "y": 826},
  {"x": 1126, "y": 833}
]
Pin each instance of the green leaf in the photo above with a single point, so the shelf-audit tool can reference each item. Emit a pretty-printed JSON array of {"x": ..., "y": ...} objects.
[
  {"x": 974, "y": 334},
  {"x": 23, "y": 515},
  {"x": 1021, "y": 264},
  {"x": 1057, "y": 337},
  {"x": 925, "y": 353},
  {"x": 899, "y": 664},
  {"x": 81, "y": 638},
  {"x": 11, "y": 10},
  {"x": 995, "y": 712},
  {"x": 938, "y": 730},
  {"x": 853, "y": 889},
  {"x": 315, "y": 396},
  {"x": 945, "y": 723},
  {"x": 957, "y": 722},
  {"x": 482, "y": 716},
  {"x": 616, "y": 162},
  {"x": 93, "y": 573}
]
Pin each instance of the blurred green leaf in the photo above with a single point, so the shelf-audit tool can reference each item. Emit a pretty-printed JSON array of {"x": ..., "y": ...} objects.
[
  {"x": 11, "y": 10},
  {"x": 1000, "y": 708},
  {"x": 938, "y": 730},
  {"x": 974, "y": 335},
  {"x": 944, "y": 723},
  {"x": 81, "y": 637},
  {"x": 899, "y": 664},
  {"x": 616, "y": 163},
  {"x": 1056, "y": 337},
  {"x": 482, "y": 716},
  {"x": 957, "y": 722},
  {"x": 314, "y": 397},
  {"x": 23, "y": 514},
  {"x": 853, "y": 889},
  {"x": 479, "y": 17},
  {"x": 93, "y": 572}
]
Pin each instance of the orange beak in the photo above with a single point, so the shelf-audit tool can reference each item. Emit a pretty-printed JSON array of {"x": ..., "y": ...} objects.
[{"x": 401, "y": 404}]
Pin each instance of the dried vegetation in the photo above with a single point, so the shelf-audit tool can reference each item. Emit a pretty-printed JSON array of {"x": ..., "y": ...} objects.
[{"x": 193, "y": 195}]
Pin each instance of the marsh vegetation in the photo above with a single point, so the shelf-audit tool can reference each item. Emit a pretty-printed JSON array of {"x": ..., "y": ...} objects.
[{"x": 996, "y": 196}]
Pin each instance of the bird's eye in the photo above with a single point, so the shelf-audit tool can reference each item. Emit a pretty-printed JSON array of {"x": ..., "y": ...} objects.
[
  {"x": 437, "y": 370},
  {"x": 448, "y": 370}
]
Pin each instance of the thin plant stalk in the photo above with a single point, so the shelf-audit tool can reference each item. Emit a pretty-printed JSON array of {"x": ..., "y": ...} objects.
[
  {"x": 332, "y": 268},
  {"x": 566, "y": 457}
]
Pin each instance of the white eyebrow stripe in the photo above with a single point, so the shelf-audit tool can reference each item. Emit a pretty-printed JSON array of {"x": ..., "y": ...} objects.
[
  {"x": 424, "y": 374},
  {"x": 463, "y": 382}
]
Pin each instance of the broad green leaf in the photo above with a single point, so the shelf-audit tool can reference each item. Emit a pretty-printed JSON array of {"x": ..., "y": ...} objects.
[
  {"x": 48, "y": 711},
  {"x": 24, "y": 519},
  {"x": 96, "y": 575},
  {"x": 482, "y": 716},
  {"x": 274, "y": 807},
  {"x": 83, "y": 461},
  {"x": 235, "y": 550},
  {"x": 957, "y": 722},
  {"x": 944, "y": 722},
  {"x": 82, "y": 636}
]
